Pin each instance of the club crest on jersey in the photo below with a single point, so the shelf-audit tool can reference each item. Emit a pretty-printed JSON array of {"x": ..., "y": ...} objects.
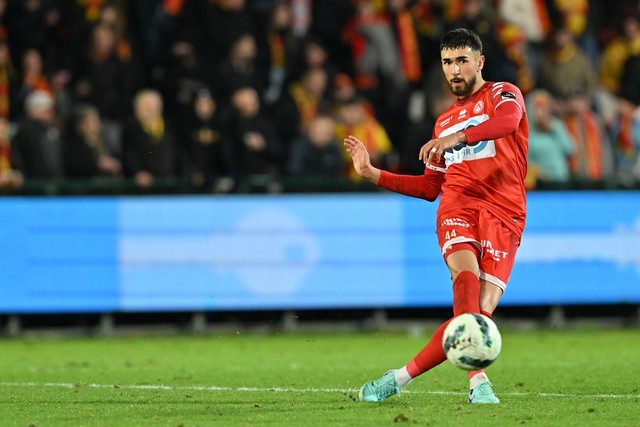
[{"x": 478, "y": 107}]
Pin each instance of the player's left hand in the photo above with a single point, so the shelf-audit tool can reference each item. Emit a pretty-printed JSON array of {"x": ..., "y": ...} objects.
[{"x": 435, "y": 147}]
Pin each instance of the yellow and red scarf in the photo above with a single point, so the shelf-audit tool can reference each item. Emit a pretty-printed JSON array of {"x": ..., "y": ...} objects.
[{"x": 586, "y": 161}]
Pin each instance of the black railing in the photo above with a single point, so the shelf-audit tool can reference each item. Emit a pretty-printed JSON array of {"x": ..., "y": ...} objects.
[{"x": 249, "y": 185}]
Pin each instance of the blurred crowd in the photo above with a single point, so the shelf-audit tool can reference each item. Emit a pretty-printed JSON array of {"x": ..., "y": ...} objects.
[{"x": 215, "y": 91}]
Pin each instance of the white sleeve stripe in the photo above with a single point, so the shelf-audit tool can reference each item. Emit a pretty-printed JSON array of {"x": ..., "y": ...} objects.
[{"x": 435, "y": 168}]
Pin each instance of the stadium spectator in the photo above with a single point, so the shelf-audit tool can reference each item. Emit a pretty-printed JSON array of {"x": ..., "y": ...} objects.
[
  {"x": 317, "y": 153},
  {"x": 626, "y": 132},
  {"x": 183, "y": 75},
  {"x": 36, "y": 149},
  {"x": 240, "y": 68},
  {"x": 510, "y": 62},
  {"x": 107, "y": 77},
  {"x": 86, "y": 152},
  {"x": 550, "y": 145},
  {"x": 303, "y": 100},
  {"x": 429, "y": 28},
  {"x": 113, "y": 17},
  {"x": 155, "y": 23},
  {"x": 405, "y": 29},
  {"x": 3, "y": 27},
  {"x": 342, "y": 90},
  {"x": 257, "y": 149},
  {"x": 222, "y": 23},
  {"x": 375, "y": 56},
  {"x": 394, "y": 111},
  {"x": 592, "y": 158},
  {"x": 30, "y": 25},
  {"x": 8, "y": 82},
  {"x": 313, "y": 54},
  {"x": 77, "y": 19},
  {"x": 626, "y": 140},
  {"x": 209, "y": 146},
  {"x": 582, "y": 19},
  {"x": 353, "y": 119},
  {"x": 9, "y": 178},
  {"x": 281, "y": 49},
  {"x": 564, "y": 68},
  {"x": 32, "y": 79},
  {"x": 329, "y": 19},
  {"x": 149, "y": 149},
  {"x": 532, "y": 17},
  {"x": 630, "y": 80},
  {"x": 478, "y": 16},
  {"x": 616, "y": 52}
]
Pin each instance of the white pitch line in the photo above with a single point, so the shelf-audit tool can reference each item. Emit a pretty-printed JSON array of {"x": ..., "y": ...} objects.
[{"x": 299, "y": 390}]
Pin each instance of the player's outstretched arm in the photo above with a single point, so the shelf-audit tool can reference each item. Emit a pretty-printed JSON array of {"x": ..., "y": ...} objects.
[
  {"x": 361, "y": 160},
  {"x": 425, "y": 186}
]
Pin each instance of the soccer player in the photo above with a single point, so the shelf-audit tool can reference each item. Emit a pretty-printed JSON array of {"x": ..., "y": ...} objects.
[{"x": 476, "y": 162}]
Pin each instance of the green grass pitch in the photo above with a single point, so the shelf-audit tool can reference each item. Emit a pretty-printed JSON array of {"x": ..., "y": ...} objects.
[{"x": 585, "y": 377}]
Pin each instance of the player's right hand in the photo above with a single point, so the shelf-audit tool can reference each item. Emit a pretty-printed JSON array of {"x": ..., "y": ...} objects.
[{"x": 361, "y": 159}]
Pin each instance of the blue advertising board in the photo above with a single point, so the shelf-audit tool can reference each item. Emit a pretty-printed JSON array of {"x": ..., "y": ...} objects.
[{"x": 266, "y": 252}]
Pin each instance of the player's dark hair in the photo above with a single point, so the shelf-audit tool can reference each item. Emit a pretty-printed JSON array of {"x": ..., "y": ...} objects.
[{"x": 461, "y": 38}]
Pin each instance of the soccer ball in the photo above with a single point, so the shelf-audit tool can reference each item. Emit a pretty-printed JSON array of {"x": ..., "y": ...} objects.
[{"x": 471, "y": 341}]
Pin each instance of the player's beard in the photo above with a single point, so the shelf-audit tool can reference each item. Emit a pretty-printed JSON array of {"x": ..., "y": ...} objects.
[{"x": 465, "y": 89}]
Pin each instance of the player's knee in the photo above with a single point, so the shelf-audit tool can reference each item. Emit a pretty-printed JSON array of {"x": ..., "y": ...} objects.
[
  {"x": 456, "y": 271},
  {"x": 462, "y": 259}
]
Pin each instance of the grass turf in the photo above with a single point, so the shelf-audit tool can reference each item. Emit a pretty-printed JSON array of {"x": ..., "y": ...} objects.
[{"x": 544, "y": 378}]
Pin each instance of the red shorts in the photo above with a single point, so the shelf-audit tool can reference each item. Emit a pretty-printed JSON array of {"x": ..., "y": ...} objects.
[{"x": 495, "y": 244}]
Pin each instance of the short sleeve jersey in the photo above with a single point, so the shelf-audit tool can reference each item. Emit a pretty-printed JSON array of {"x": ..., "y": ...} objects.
[{"x": 485, "y": 174}]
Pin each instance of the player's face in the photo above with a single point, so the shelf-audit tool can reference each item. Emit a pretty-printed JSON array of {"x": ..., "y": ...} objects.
[{"x": 462, "y": 68}]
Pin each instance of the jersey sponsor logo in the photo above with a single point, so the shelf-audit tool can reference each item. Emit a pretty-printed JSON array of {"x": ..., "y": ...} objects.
[
  {"x": 498, "y": 255},
  {"x": 446, "y": 121},
  {"x": 461, "y": 152},
  {"x": 467, "y": 152},
  {"x": 505, "y": 95},
  {"x": 462, "y": 113},
  {"x": 455, "y": 222}
]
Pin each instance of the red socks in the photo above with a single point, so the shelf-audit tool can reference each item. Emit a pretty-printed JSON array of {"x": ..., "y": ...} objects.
[
  {"x": 466, "y": 293},
  {"x": 466, "y": 299}
]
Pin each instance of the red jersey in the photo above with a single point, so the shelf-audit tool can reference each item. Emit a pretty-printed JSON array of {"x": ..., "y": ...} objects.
[{"x": 487, "y": 172}]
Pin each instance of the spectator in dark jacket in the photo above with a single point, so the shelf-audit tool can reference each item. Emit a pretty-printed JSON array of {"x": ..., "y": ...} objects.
[
  {"x": 149, "y": 148},
  {"x": 256, "y": 146},
  {"x": 241, "y": 68},
  {"x": 107, "y": 78},
  {"x": 318, "y": 152},
  {"x": 210, "y": 151},
  {"x": 87, "y": 154},
  {"x": 36, "y": 149}
]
